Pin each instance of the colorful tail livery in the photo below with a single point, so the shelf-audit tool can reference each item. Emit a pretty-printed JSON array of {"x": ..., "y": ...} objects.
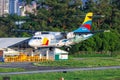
[{"x": 86, "y": 25}]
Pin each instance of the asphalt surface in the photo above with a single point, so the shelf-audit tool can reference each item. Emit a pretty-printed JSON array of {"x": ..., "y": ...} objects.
[
  {"x": 29, "y": 66},
  {"x": 61, "y": 70},
  {"x": 31, "y": 69}
]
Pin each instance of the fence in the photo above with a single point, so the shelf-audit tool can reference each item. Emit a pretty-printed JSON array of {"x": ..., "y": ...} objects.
[{"x": 26, "y": 58}]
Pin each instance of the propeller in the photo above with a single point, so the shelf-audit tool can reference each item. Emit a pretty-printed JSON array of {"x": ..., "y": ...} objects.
[{"x": 19, "y": 30}]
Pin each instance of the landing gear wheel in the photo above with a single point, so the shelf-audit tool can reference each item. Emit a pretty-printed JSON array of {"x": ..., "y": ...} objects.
[
  {"x": 67, "y": 48},
  {"x": 51, "y": 48}
]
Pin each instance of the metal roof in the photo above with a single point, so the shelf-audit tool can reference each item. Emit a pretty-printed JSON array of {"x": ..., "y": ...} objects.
[
  {"x": 7, "y": 42},
  {"x": 59, "y": 51}
]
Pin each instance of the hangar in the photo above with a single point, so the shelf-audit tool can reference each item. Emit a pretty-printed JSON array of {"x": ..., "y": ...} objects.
[
  {"x": 15, "y": 46},
  {"x": 12, "y": 46},
  {"x": 13, "y": 42}
]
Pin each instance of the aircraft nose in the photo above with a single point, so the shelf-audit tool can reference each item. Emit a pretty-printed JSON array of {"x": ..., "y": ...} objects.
[
  {"x": 30, "y": 43},
  {"x": 34, "y": 43}
]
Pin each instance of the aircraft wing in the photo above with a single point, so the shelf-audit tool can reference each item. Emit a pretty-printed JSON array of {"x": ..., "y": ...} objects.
[{"x": 92, "y": 32}]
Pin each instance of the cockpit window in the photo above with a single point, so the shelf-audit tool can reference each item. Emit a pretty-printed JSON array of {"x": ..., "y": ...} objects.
[
  {"x": 37, "y": 38},
  {"x": 34, "y": 37}
]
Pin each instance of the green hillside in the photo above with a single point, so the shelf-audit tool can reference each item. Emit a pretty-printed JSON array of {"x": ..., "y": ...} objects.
[{"x": 67, "y": 15}]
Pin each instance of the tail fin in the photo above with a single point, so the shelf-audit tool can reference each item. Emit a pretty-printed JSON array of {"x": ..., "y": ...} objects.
[{"x": 86, "y": 25}]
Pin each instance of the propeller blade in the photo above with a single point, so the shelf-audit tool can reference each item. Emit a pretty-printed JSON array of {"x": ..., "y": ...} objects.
[{"x": 19, "y": 30}]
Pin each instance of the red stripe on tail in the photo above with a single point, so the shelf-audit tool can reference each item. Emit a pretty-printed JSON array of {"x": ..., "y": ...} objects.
[{"x": 87, "y": 26}]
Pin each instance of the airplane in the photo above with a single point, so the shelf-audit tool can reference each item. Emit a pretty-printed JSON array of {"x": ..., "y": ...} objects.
[{"x": 60, "y": 39}]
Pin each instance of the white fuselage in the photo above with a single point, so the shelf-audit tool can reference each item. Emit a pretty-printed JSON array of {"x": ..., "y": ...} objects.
[{"x": 56, "y": 39}]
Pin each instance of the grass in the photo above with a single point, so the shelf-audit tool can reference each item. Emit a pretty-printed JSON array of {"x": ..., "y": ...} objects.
[
  {"x": 113, "y": 74},
  {"x": 83, "y": 62},
  {"x": 92, "y": 55},
  {"x": 11, "y": 69},
  {"x": 74, "y": 62},
  {"x": 96, "y": 54},
  {"x": 110, "y": 74}
]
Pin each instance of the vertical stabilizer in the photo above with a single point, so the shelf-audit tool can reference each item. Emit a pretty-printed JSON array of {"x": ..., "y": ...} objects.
[{"x": 86, "y": 25}]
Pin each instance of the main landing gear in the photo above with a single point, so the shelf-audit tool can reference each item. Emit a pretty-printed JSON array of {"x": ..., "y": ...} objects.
[{"x": 67, "y": 48}]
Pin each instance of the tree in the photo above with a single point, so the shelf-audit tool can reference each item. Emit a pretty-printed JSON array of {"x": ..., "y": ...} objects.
[{"x": 64, "y": 15}]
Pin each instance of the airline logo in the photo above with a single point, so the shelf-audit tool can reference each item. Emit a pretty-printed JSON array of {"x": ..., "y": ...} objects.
[{"x": 45, "y": 41}]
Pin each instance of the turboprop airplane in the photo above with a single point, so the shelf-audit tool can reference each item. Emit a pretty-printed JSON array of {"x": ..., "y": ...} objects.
[{"x": 59, "y": 39}]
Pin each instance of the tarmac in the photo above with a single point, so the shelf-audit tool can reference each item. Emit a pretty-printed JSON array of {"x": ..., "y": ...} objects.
[{"x": 31, "y": 69}]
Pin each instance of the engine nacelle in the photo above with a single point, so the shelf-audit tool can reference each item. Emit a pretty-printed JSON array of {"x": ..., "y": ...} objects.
[{"x": 70, "y": 35}]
